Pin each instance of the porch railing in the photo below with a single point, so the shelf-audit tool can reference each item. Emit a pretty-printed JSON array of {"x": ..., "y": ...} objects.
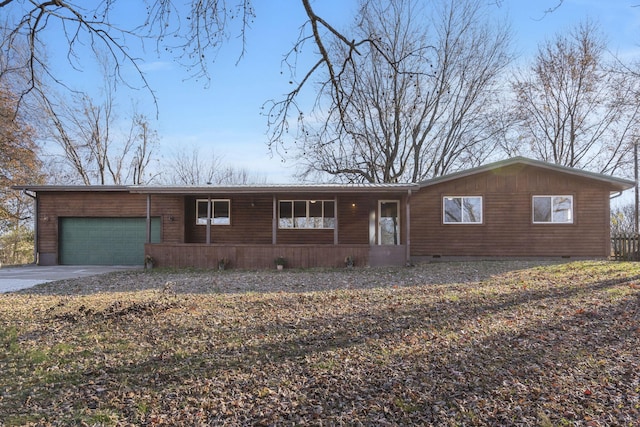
[{"x": 248, "y": 256}]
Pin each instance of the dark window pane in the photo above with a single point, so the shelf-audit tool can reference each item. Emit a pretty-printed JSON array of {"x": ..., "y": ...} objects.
[
  {"x": 221, "y": 212},
  {"x": 452, "y": 209},
  {"x": 542, "y": 209},
  {"x": 329, "y": 207}
]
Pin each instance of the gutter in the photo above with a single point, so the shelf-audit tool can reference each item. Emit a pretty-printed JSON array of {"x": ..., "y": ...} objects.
[{"x": 615, "y": 195}]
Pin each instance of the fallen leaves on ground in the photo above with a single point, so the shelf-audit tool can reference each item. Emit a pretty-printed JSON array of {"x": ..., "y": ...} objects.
[{"x": 476, "y": 344}]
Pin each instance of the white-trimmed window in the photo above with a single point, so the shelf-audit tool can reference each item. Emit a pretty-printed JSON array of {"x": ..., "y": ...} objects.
[
  {"x": 462, "y": 209},
  {"x": 220, "y": 212},
  {"x": 306, "y": 214},
  {"x": 552, "y": 209}
]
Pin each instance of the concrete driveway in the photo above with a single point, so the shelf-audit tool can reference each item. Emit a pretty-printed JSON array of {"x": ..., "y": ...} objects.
[{"x": 22, "y": 277}]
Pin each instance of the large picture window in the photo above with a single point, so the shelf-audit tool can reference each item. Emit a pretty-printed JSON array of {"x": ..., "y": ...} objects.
[
  {"x": 220, "y": 211},
  {"x": 462, "y": 209},
  {"x": 553, "y": 209},
  {"x": 306, "y": 214}
]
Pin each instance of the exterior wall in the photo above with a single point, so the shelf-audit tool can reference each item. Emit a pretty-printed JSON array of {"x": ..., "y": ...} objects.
[
  {"x": 247, "y": 241},
  {"x": 508, "y": 228},
  {"x": 353, "y": 216},
  {"x": 55, "y": 205},
  {"x": 252, "y": 220}
]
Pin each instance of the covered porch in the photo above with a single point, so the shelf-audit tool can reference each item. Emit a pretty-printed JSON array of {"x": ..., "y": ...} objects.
[{"x": 306, "y": 226}]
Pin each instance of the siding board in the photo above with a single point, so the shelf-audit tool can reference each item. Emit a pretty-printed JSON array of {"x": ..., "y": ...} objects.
[
  {"x": 508, "y": 229},
  {"x": 118, "y": 204}
]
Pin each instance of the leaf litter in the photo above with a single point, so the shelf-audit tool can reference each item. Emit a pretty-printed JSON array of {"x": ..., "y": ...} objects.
[{"x": 475, "y": 344}]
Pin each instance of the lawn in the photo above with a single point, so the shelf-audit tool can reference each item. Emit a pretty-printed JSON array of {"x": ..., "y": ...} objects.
[{"x": 456, "y": 344}]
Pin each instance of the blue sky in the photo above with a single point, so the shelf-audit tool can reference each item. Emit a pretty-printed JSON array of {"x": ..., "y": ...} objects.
[{"x": 223, "y": 115}]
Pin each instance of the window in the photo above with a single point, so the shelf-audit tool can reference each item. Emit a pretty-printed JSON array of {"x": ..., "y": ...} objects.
[
  {"x": 553, "y": 209},
  {"x": 462, "y": 210},
  {"x": 306, "y": 214},
  {"x": 220, "y": 211}
]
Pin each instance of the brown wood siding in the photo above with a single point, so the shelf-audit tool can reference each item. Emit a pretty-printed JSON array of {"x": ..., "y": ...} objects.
[
  {"x": 353, "y": 225},
  {"x": 250, "y": 221},
  {"x": 54, "y": 205},
  {"x": 508, "y": 229},
  {"x": 256, "y": 256}
]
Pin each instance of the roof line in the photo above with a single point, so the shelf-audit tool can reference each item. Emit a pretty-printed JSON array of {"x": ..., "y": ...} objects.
[
  {"x": 68, "y": 188},
  {"x": 235, "y": 189},
  {"x": 618, "y": 183}
]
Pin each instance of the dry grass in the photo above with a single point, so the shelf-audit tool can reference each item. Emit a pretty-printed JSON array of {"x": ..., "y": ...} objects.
[{"x": 508, "y": 343}]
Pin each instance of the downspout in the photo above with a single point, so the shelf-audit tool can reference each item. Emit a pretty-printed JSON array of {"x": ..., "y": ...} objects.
[
  {"x": 148, "y": 218},
  {"x": 274, "y": 222},
  {"x": 408, "y": 230},
  {"x": 209, "y": 220},
  {"x": 36, "y": 202},
  {"x": 635, "y": 180},
  {"x": 335, "y": 220}
]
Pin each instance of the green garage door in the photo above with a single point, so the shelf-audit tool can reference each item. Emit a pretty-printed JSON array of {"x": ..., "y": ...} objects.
[{"x": 105, "y": 241}]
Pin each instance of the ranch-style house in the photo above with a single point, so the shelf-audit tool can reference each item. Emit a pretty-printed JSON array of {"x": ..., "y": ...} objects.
[{"x": 513, "y": 208}]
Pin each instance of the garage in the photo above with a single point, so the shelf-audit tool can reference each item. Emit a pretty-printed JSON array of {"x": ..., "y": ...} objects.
[{"x": 104, "y": 241}]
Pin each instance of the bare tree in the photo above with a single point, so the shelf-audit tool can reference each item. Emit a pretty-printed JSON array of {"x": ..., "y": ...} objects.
[
  {"x": 417, "y": 102},
  {"x": 572, "y": 108},
  {"x": 143, "y": 139},
  {"x": 191, "y": 168},
  {"x": 623, "y": 220},
  {"x": 191, "y": 32},
  {"x": 93, "y": 149}
]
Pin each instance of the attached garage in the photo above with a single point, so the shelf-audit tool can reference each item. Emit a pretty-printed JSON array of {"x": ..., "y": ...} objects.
[{"x": 104, "y": 241}]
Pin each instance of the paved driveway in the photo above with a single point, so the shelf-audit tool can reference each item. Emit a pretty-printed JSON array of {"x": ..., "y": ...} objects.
[{"x": 16, "y": 278}]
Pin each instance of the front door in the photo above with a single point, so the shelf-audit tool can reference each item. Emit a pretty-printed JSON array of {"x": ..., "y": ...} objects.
[
  {"x": 388, "y": 222},
  {"x": 386, "y": 249}
]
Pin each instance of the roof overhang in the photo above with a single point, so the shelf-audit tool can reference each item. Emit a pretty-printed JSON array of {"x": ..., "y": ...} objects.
[
  {"x": 227, "y": 190},
  {"x": 615, "y": 184},
  {"x": 71, "y": 188},
  {"x": 276, "y": 189}
]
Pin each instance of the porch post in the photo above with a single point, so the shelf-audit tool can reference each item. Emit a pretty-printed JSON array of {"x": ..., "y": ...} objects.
[
  {"x": 274, "y": 222},
  {"x": 209, "y": 220},
  {"x": 407, "y": 229},
  {"x": 148, "y": 218},
  {"x": 335, "y": 220}
]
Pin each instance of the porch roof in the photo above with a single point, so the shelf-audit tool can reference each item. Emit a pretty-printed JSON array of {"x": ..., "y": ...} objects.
[{"x": 227, "y": 189}]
